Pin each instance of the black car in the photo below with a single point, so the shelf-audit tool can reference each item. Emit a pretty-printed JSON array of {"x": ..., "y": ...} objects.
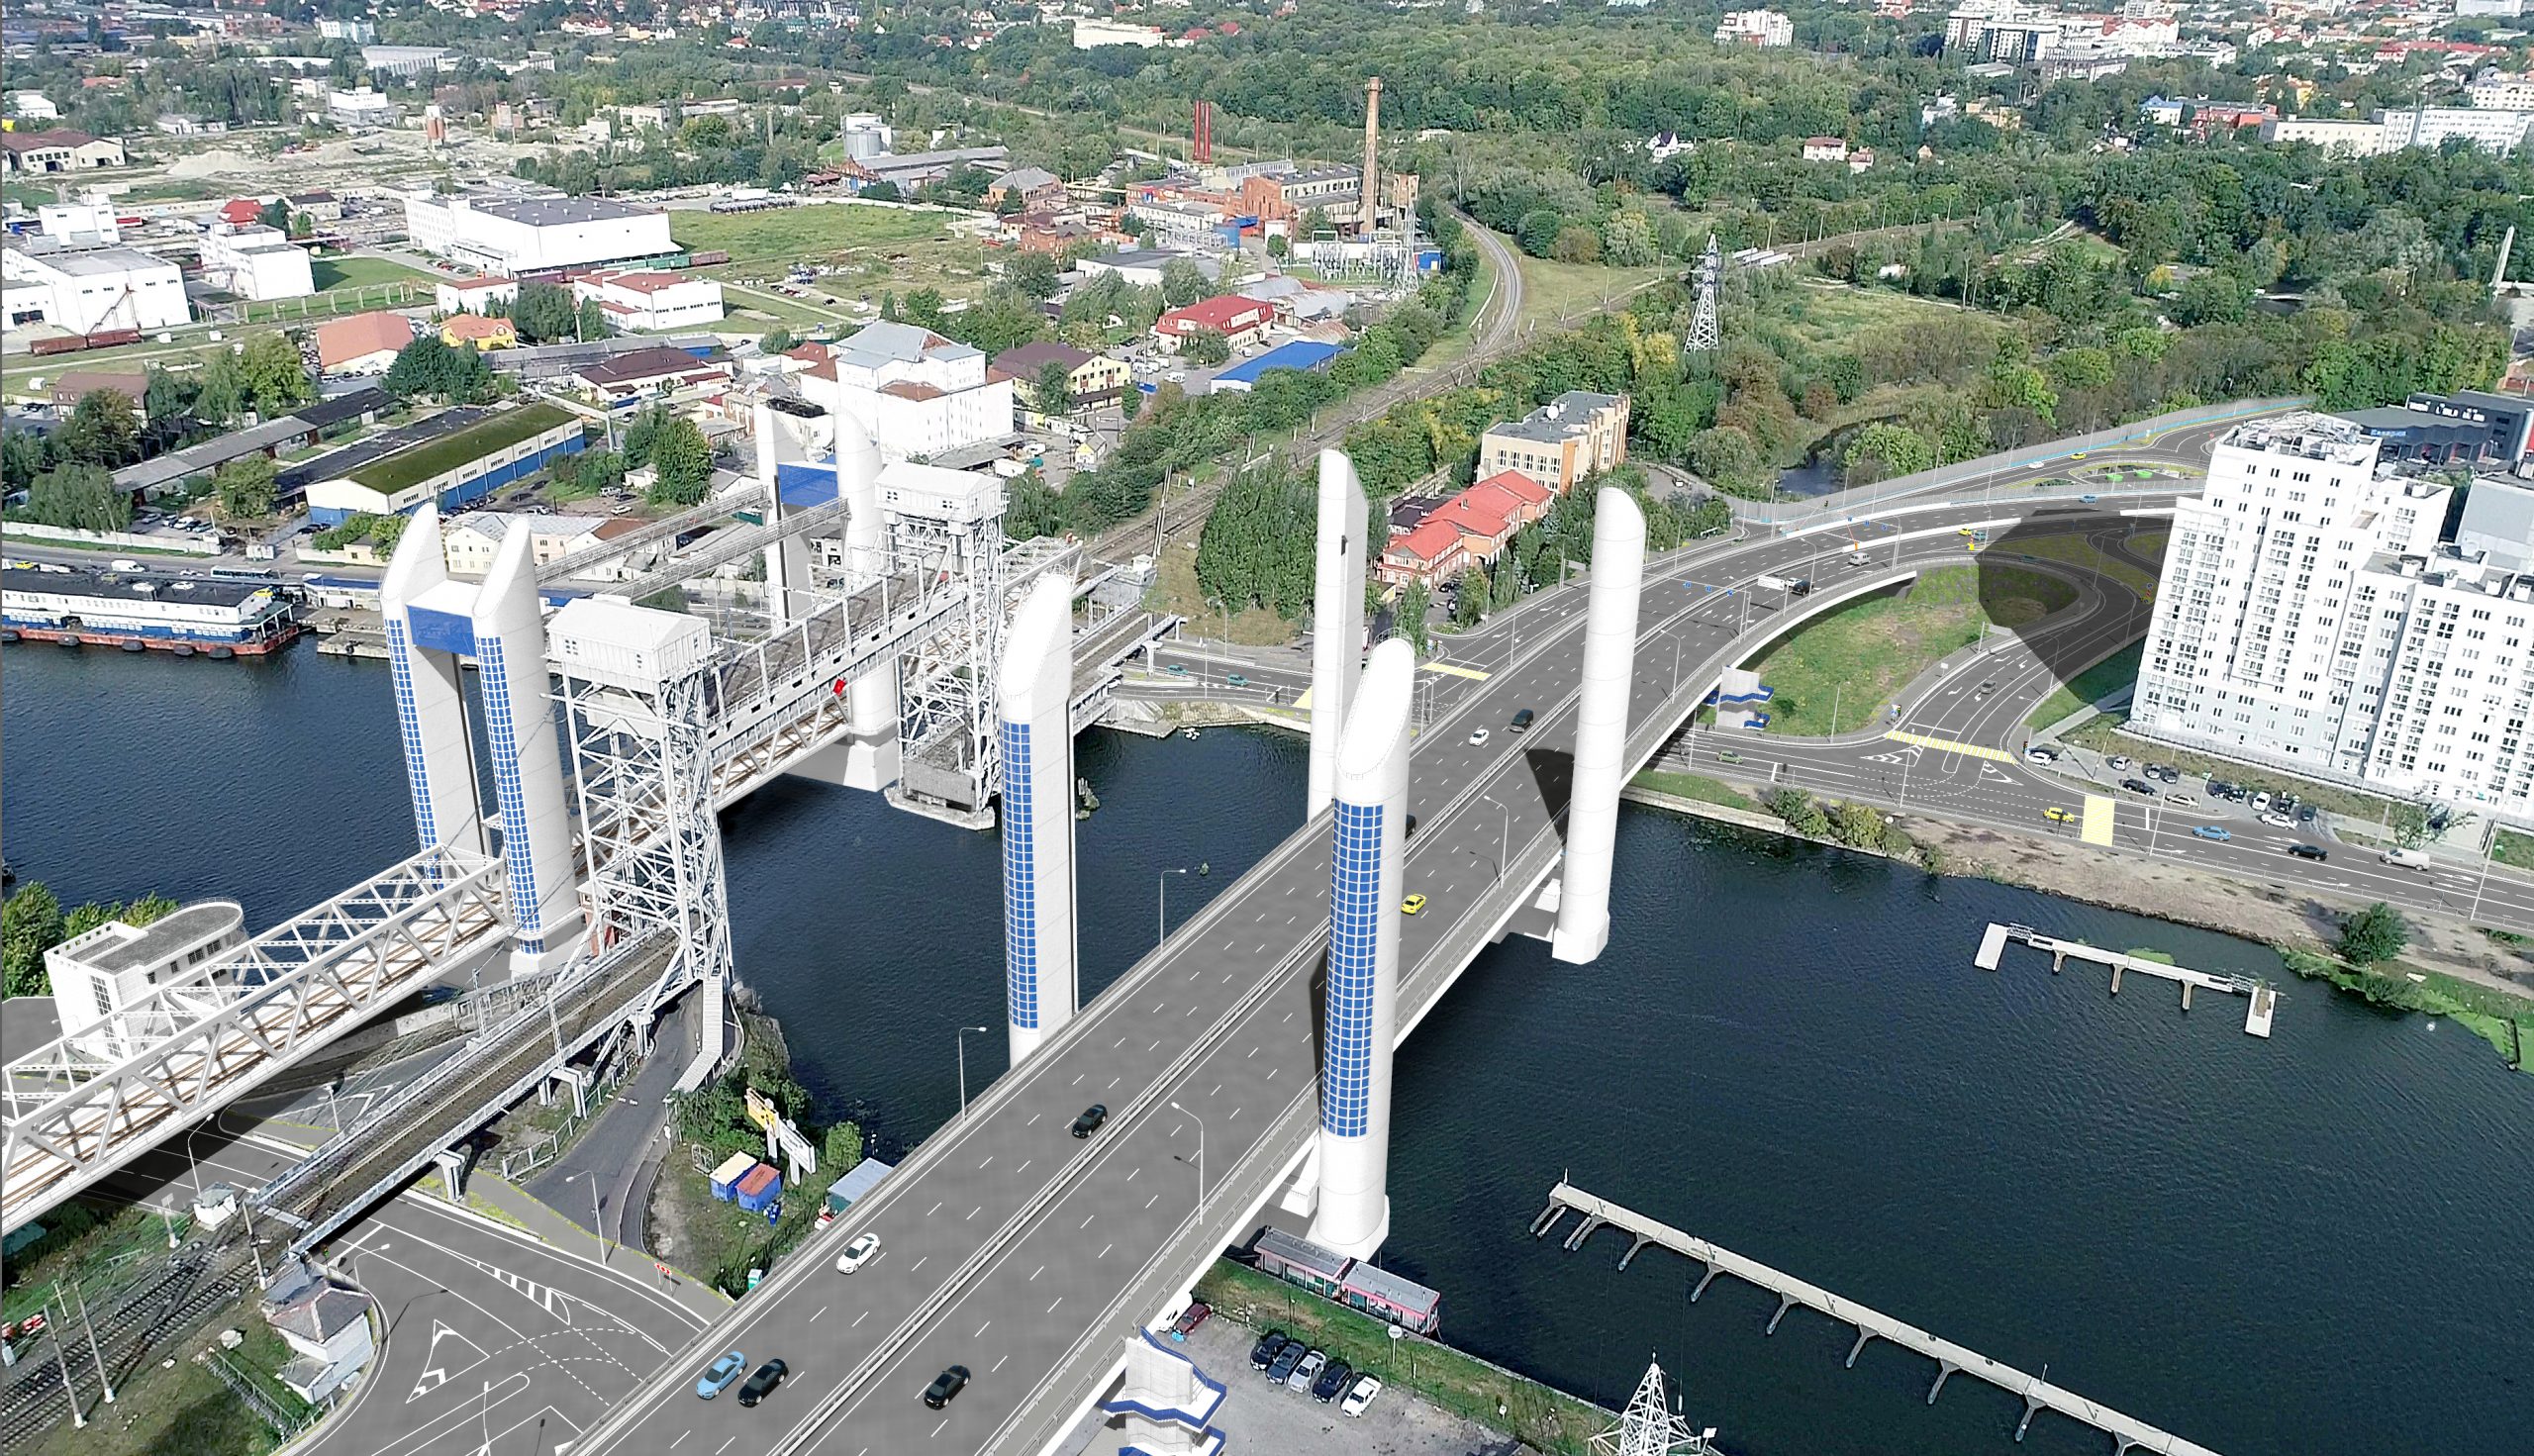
[
  {"x": 1523, "y": 722},
  {"x": 947, "y": 1387},
  {"x": 1333, "y": 1380},
  {"x": 2138, "y": 786},
  {"x": 2315, "y": 853},
  {"x": 1286, "y": 1360},
  {"x": 1091, "y": 1119},
  {"x": 1269, "y": 1347},
  {"x": 762, "y": 1384}
]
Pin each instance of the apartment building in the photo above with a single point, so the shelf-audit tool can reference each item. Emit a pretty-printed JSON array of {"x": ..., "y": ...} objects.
[
  {"x": 2311, "y": 617},
  {"x": 1576, "y": 435}
]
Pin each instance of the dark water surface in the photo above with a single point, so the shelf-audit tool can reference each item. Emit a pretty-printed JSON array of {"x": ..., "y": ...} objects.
[{"x": 2321, "y": 1242}]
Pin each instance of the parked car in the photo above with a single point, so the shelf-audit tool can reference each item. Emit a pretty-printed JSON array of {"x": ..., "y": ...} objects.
[
  {"x": 1091, "y": 1119},
  {"x": 2217, "y": 833},
  {"x": 1333, "y": 1382},
  {"x": 1269, "y": 1347},
  {"x": 2139, "y": 786},
  {"x": 724, "y": 1371},
  {"x": 1307, "y": 1371},
  {"x": 1366, "y": 1386},
  {"x": 947, "y": 1387},
  {"x": 762, "y": 1384},
  {"x": 2038, "y": 754},
  {"x": 2278, "y": 821},
  {"x": 2117, "y": 763},
  {"x": 1281, "y": 1369},
  {"x": 2185, "y": 800},
  {"x": 2315, "y": 852},
  {"x": 2260, "y": 800},
  {"x": 1189, "y": 1319},
  {"x": 857, "y": 1253}
]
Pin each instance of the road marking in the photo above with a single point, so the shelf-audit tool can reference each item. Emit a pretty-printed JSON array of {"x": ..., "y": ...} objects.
[
  {"x": 945, "y": 1420},
  {"x": 1078, "y": 1076},
  {"x": 1235, "y": 1113},
  {"x": 1148, "y": 1203},
  {"x": 724, "y": 1446},
  {"x": 865, "y": 1315},
  {"x": 1114, "y": 1080},
  {"x": 681, "y": 1436},
  {"x": 1132, "y": 1172},
  {"x": 1087, "y": 1217},
  {"x": 1473, "y": 674},
  {"x": 918, "y": 1264},
  {"x": 1034, "y": 1278},
  {"x": 1103, "y": 1250},
  {"x": 973, "y": 1212},
  {"x": 815, "y": 1317},
  {"x": 998, "y": 1365},
  {"x": 2099, "y": 820},
  {"x": 1156, "y": 1046},
  {"x": 935, "y": 1209},
  {"x": 1051, "y": 1308},
  {"x": 1949, "y": 745},
  {"x": 1218, "y": 1087},
  {"x": 1120, "y": 1042},
  {"x": 1025, "y": 1166},
  {"x": 982, "y": 1328},
  {"x": 1192, "y": 1009},
  {"x": 1253, "y": 1048},
  {"x": 1272, "y": 1071},
  {"x": 981, "y": 1167}
]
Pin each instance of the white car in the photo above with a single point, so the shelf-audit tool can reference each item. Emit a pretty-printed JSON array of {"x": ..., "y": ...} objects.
[
  {"x": 1476, "y": 737},
  {"x": 2278, "y": 821},
  {"x": 2117, "y": 762},
  {"x": 857, "y": 1253},
  {"x": 2040, "y": 755},
  {"x": 1361, "y": 1396}
]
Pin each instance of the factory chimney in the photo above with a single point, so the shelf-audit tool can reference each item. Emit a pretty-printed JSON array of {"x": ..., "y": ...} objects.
[{"x": 1372, "y": 138}]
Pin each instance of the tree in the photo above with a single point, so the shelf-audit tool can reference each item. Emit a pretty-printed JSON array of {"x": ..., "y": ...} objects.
[
  {"x": 881, "y": 192},
  {"x": 775, "y": 340},
  {"x": 168, "y": 395},
  {"x": 79, "y": 497},
  {"x": 1278, "y": 248},
  {"x": 1182, "y": 283},
  {"x": 682, "y": 462},
  {"x": 641, "y": 433},
  {"x": 246, "y": 485},
  {"x": 1728, "y": 460},
  {"x": 2408, "y": 825},
  {"x": 1414, "y": 602},
  {"x": 275, "y": 376},
  {"x": 590, "y": 320},
  {"x": 222, "y": 388},
  {"x": 1800, "y": 813},
  {"x": 544, "y": 313},
  {"x": 29, "y": 924},
  {"x": 1053, "y": 390},
  {"x": 302, "y": 225},
  {"x": 840, "y": 1149},
  {"x": 1469, "y": 599},
  {"x": 1204, "y": 346},
  {"x": 275, "y": 215},
  {"x": 1883, "y": 450},
  {"x": 428, "y": 366},
  {"x": 2372, "y": 935},
  {"x": 100, "y": 430},
  {"x": 1035, "y": 275},
  {"x": 1131, "y": 403}
]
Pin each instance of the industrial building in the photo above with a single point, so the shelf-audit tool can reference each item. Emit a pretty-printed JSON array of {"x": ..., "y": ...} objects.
[
  {"x": 91, "y": 290},
  {"x": 451, "y": 469},
  {"x": 474, "y": 295},
  {"x": 920, "y": 394},
  {"x": 365, "y": 343},
  {"x": 2311, "y": 617},
  {"x": 61, "y": 149},
  {"x": 256, "y": 262},
  {"x": 519, "y": 237},
  {"x": 1576, "y": 435},
  {"x": 650, "y": 299}
]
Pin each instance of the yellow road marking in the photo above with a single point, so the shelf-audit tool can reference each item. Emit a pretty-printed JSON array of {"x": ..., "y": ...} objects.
[
  {"x": 1472, "y": 673},
  {"x": 1304, "y": 702},
  {"x": 2098, "y": 819},
  {"x": 1948, "y": 745}
]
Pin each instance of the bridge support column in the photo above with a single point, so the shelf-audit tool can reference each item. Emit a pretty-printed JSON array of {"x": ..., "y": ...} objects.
[
  {"x": 779, "y": 443},
  {"x": 872, "y": 757},
  {"x": 1364, "y": 889},
  {"x": 1632, "y": 1250},
  {"x": 1037, "y": 816},
  {"x": 1785, "y": 1303},
  {"x": 2029, "y": 1406},
  {"x": 2058, "y": 961},
  {"x": 1337, "y": 619},
  {"x": 1703, "y": 1280},
  {"x": 1944, "y": 1372},
  {"x": 509, "y": 640},
  {"x": 2185, "y": 995},
  {"x": 574, "y": 1078},
  {"x": 2115, "y": 978},
  {"x": 452, "y": 1172},
  {"x": 1601, "y": 728},
  {"x": 431, "y": 706}
]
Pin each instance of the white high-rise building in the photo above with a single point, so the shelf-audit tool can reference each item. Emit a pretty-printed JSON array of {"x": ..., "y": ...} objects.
[
  {"x": 1764, "y": 27},
  {"x": 2311, "y": 617}
]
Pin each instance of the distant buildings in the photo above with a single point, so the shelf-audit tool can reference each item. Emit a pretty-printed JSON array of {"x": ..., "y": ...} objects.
[
  {"x": 359, "y": 109},
  {"x": 1089, "y": 378},
  {"x": 916, "y": 392},
  {"x": 1034, "y": 186},
  {"x": 482, "y": 453},
  {"x": 61, "y": 149},
  {"x": 1576, "y": 435},
  {"x": 650, "y": 299},
  {"x": 536, "y": 236},
  {"x": 1089, "y": 33},
  {"x": 2499, "y": 132},
  {"x": 1765, "y": 28},
  {"x": 474, "y": 295},
  {"x": 480, "y": 332},
  {"x": 257, "y": 262},
  {"x": 1241, "y": 321},
  {"x": 1468, "y": 529}
]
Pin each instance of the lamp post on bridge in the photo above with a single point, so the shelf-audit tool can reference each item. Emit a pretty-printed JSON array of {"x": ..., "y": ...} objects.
[
  {"x": 1201, "y": 1153},
  {"x": 962, "y": 1039},
  {"x": 1505, "y": 836}
]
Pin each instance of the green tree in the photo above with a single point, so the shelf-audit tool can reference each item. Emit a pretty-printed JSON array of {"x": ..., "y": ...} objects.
[
  {"x": 79, "y": 497},
  {"x": 275, "y": 376},
  {"x": 223, "y": 388},
  {"x": 544, "y": 313},
  {"x": 1035, "y": 274},
  {"x": 1883, "y": 450},
  {"x": 1469, "y": 599},
  {"x": 1205, "y": 347},
  {"x": 1800, "y": 813},
  {"x": 246, "y": 485},
  {"x": 100, "y": 430},
  {"x": 275, "y": 215},
  {"x": 2372, "y": 935},
  {"x": 29, "y": 924},
  {"x": 168, "y": 395},
  {"x": 682, "y": 461},
  {"x": 1182, "y": 283},
  {"x": 1415, "y": 605},
  {"x": 2408, "y": 825},
  {"x": 590, "y": 320},
  {"x": 1053, "y": 389},
  {"x": 641, "y": 433},
  {"x": 775, "y": 340},
  {"x": 841, "y": 1148}
]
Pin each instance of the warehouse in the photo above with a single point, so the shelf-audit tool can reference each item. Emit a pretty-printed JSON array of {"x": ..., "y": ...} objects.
[
  {"x": 256, "y": 262},
  {"x": 91, "y": 290},
  {"x": 650, "y": 299},
  {"x": 531, "y": 236},
  {"x": 453, "y": 468}
]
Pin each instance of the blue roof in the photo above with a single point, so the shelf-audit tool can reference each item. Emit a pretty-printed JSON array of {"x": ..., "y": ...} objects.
[
  {"x": 806, "y": 485},
  {"x": 1302, "y": 354}
]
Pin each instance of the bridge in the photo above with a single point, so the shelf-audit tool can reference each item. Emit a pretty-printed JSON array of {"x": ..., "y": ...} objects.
[{"x": 1028, "y": 1256}]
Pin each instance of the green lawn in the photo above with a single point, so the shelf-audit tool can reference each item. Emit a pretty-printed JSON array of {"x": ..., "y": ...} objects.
[
  {"x": 423, "y": 461},
  {"x": 1851, "y": 662},
  {"x": 331, "y": 273},
  {"x": 2093, "y": 684},
  {"x": 2514, "y": 849},
  {"x": 816, "y": 234},
  {"x": 1692, "y": 786},
  {"x": 1553, "y": 291},
  {"x": 1827, "y": 314},
  {"x": 2077, "y": 551}
]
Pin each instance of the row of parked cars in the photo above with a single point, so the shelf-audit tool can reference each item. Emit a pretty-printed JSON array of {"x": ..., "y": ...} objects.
[{"x": 1295, "y": 1364}]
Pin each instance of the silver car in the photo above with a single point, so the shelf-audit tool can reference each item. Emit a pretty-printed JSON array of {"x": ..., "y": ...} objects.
[{"x": 1307, "y": 1371}]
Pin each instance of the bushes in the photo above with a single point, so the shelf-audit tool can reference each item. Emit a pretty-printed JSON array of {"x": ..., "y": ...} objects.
[{"x": 1856, "y": 825}]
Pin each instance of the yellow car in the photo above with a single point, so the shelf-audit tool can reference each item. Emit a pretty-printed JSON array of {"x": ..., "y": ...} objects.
[
  {"x": 2058, "y": 815},
  {"x": 1411, "y": 905}
]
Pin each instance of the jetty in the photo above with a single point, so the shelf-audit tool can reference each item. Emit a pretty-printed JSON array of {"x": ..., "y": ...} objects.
[
  {"x": 2127, "y": 1432},
  {"x": 2263, "y": 1000}
]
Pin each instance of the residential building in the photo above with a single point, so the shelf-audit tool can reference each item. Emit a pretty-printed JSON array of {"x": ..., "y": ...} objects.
[
  {"x": 61, "y": 149},
  {"x": 358, "y": 31},
  {"x": 1089, "y": 33},
  {"x": 1035, "y": 186},
  {"x": 1241, "y": 321},
  {"x": 91, "y": 290},
  {"x": 67, "y": 388},
  {"x": 1576, "y": 435},
  {"x": 479, "y": 332},
  {"x": 2309, "y": 617},
  {"x": 32, "y": 106},
  {"x": 916, "y": 392},
  {"x": 1764, "y": 27},
  {"x": 655, "y": 370},
  {"x": 359, "y": 109},
  {"x": 1185, "y": 226},
  {"x": 474, "y": 295},
  {"x": 408, "y": 63},
  {"x": 1089, "y": 378},
  {"x": 650, "y": 299},
  {"x": 99, "y": 973},
  {"x": 540, "y": 237},
  {"x": 256, "y": 262},
  {"x": 2502, "y": 93},
  {"x": 1429, "y": 554},
  {"x": 179, "y": 123},
  {"x": 2498, "y": 133},
  {"x": 1824, "y": 148},
  {"x": 481, "y": 455},
  {"x": 469, "y": 540},
  {"x": 2000, "y": 32},
  {"x": 365, "y": 343},
  {"x": 1470, "y": 527},
  {"x": 2335, "y": 137}
]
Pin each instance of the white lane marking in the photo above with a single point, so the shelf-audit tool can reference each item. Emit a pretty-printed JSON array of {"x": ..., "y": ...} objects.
[
  {"x": 865, "y": 1315},
  {"x": 981, "y": 1167},
  {"x": 1077, "y": 1077},
  {"x": 973, "y": 1212},
  {"x": 1051, "y": 1308},
  {"x": 918, "y": 1263},
  {"x": 935, "y": 1209},
  {"x": 982, "y": 1328},
  {"x": 1156, "y": 1045},
  {"x": 1034, "y": 1278},
  {"x": 1087, "y": 1217},
  {"x": 724, "y": 1446},
  {"x": 1105, "y": 1248},
  {"x": 815, "y": 1317},
  {"x": 681, "y": 1436},
  {"x": 1025, "y": 1166},
  {"x": 1132, "y": 1172},
  {"x": 945, "y": 1420}
]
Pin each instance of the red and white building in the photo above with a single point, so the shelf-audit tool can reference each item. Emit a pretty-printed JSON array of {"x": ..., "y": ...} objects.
[
  {"x": 1471, "y": 528},
  {"x": 1241, "y": 321},
  {"x": 641, "y": 298}
]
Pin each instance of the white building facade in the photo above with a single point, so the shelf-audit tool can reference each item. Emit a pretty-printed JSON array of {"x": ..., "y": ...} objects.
[
  {"x": 91, "y": 290},
  {"x": 1762, "y": 28},
  {"x": 920, "y": 393},
  {"x": 256, "y": 262},
  {"x": 652, "y": 299},
  {"x": 516, "y": 236}
]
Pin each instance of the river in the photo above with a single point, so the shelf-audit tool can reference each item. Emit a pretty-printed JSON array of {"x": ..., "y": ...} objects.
[{"x": 2320, "y": 1241}]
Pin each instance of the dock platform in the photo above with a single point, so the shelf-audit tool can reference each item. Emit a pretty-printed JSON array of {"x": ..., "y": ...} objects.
[
  {"x": 2127, "y": 1432},
  {"x": 2264, "y": 1000}
]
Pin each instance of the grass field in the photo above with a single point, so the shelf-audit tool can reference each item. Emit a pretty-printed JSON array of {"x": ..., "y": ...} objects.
[
  {"x": 1692, "y": 785},
  {"x": 883, "y": 250},
  {"x": 1552, "y": 291},
  {"x": 1850, "y": 662},
  {"x": 2077, "y": 551},
  {"x": 1176, "y": 590},
  {"x": 2108, "y": 676},
  {"x": 331, "y": 273},
  {"x": 1827, "y": 314},
  {"x": 185, "y": 1407},
  {"x": 2513, "y": 848},
  {"x": 411, "y": 467}
]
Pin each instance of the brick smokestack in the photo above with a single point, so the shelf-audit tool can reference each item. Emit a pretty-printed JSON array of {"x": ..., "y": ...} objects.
[{"x": 1372, "y": 138}]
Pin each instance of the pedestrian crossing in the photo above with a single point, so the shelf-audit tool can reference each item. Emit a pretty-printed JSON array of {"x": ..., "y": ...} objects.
[{"x": 1949, "y": 745}]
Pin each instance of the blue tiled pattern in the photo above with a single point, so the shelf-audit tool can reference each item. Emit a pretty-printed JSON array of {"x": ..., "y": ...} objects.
[
  {"x": 1354, "y": 921},
  {"x": 494, "y": 678},
  {"x": 400, "y": 667},
  {"x": 1020, "y": 880}
]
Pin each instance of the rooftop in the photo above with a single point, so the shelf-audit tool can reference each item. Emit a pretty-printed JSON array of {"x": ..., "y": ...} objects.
[
  {"x": 1560, "y": 417},
  {"x": 134, "y": 586},
  {"x": 1024, "y": 361},
  {"x": 417, "y": 464},
  {"x": 549, "y": 212},
  {"x": 116, "y": 947},
  {"x": 361, "y": 334},
  {"x": 321, "y": 1315},
  {"x": 99, "y": 262},
  {"x": 2313, "y": 436},
  {"x": 888, "y": 341},
  {"x": 642, "y": 365}
]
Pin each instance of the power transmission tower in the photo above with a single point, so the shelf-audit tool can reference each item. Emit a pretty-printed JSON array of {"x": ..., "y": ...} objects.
[
  {"x": 1705, "y": 336},
  {"x": 1652, "y": 1428}
]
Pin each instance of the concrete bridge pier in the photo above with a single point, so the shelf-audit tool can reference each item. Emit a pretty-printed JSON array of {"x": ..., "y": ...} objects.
[
  {"x": 1944, "y": 1372},
  {"x": 1703, "y": 1280},
  {"x": 1583, "y": 1232},
  {"x": 2115, "y": 978},
  {"x": 1041, "y": 983},
  {"x": 2058, "y": 961},
  {"x": 1601, "y": 728},
  {"x": 1547, "y": 1220},
  {"x": 1337, "y": 619},
  {"x": 452, "y": 1172},
  {"x": 1630, "y": 1256},
  {"x": 2029, "y": 1406},
  {"x": 2185, "y": 995},
  {"x": 782, "y": 440},
  {"x": 1858, "y": 1348}
]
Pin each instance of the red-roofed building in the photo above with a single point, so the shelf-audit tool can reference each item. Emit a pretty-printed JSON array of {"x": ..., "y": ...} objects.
[
  {"x": 1432, "y": 554},
  {"x": 1471, "y": 527},
  {"x": 1242, "y": 320},
  {"x": 365, "y": 343},
  {"x": 641, "y": 298},
  {"x": 475, "y": 331},
  {"x": 239, "y": 212}
]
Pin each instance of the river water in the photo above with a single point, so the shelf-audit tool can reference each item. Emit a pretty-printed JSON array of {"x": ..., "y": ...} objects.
[{"x": 2322, "y": 1241}]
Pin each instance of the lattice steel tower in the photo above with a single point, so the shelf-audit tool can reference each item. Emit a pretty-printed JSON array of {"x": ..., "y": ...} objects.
[
  {"x": 1705, "y": 336},
  {"x": 1651, "y": 1428}
]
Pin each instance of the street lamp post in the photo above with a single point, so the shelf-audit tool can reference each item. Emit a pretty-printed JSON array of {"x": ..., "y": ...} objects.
[
  {"x": 1505, "y": 836},
  {"x": 1201, "y": 1153},
  {"x": 962, "y": 1039},
  {"x": 167, "y": 1216},
  {"x": 1161, "y": 904},
  {"x": 597, "y": 1227}
]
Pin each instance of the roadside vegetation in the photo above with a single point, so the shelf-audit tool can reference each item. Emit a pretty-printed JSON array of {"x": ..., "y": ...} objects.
[
  {"x": 2366, "y": 959},
  {"x": 1692, "y": 785},
  {"x": 2088, "y": 687},
  {"x": 1834, "y": 674}
]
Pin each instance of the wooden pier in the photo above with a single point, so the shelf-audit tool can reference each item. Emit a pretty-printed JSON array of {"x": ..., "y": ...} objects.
[
  {"x": 2264, "y": 1000},
  {"x": 2127, "y": 1432}
]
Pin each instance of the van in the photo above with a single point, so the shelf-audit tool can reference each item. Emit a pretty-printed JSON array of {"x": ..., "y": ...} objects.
[
  {"x": 1523, "y": 722},
  {"x": 2409, "y": 859}
]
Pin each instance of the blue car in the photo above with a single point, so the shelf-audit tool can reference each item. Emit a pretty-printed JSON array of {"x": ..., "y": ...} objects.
[
  {"x": 718, "y": 1379},
  {"x": 2213, "y": 831}
]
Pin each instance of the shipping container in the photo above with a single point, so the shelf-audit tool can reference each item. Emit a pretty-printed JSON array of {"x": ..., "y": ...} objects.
[
  {"x": 760, "y": 1188},
  {"x": 725, "y": 1178},
  {"x": 69, "y": 343},
  {"x": 707, "y": 257}
]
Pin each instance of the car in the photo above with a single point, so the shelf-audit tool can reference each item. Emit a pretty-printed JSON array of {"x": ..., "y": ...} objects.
[
  {"x": 1189, "y": 1319},
  {"x": 2315, "y": 852},
  {"x": 724, "y": 1371},
  {"x": 1236, "y": 680},
  {"x": 1091, "y": 1119},
  {"x": 1727, "y": 755},
  {"x": 1962, "y": 530},
  {"x": 826, "y": 1217},
  {"x": 2038, "y": 754},
  {"x": 1176, "y": 669},
  {"x": 1269, "y": 1347},
  {"x": 2185, "y": 800},
  {"x": 2306, "y": 814},
  {"x": 2089, "y": 500},
  {"x": 2260, "y": 800},
  {"x": 1286, "y": 1359},
  {"x": 1522, "y": 721},
  {"x": 1412, "y": 904},
  {"x": 1476, "y": 737},
  {"x": 762, "y": 1384},
  {"x": 2278, "y": 821},
  {"x": 947, "y": 1387},
  {"x": 1332, "y": 1380},
  {"x": 1307, "y": 1371},
  {"x": 2139, "y": 786},
  {"x": 2220, "y": 788},
  {"x": 1366, "y": 1386},
  {"x": 2078, "y": 455},
  {"x": 857, "y": 1253},
  {"x": 1986, "y": 688},
  {"x": 2119, "y": 762},
  {"x": 2218, "y": 833},
  {"x": 2058, "y": 816}
]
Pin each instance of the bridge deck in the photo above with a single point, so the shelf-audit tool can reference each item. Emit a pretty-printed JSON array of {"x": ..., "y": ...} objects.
[{"x": 2127, "y": 1431}]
